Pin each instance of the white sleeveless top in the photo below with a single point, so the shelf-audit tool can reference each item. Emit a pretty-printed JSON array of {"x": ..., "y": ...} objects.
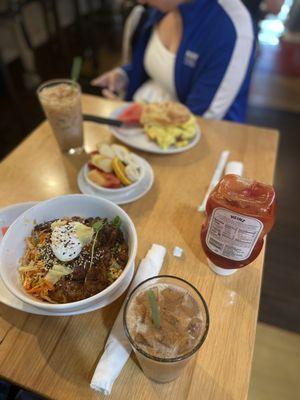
[{"x": 159, "y": 64}]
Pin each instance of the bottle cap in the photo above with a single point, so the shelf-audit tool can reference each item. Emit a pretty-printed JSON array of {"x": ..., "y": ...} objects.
[
  {"x": 221, "y": 271},
  {"x": 234, "y": 167}
]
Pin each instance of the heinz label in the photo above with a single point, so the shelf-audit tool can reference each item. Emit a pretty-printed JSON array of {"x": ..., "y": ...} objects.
[{"x": 232, "y": 235}]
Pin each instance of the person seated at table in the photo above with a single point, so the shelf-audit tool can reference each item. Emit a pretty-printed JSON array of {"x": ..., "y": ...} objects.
[{"x": 198, "y": 52}]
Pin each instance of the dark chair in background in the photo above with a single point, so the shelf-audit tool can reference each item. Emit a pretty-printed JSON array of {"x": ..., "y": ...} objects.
[{"x": 11, "y": 13}]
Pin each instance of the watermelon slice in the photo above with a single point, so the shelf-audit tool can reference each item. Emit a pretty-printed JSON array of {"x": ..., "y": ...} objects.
[
  {"x": 4, "y": 230},
  {"x": 132, "y": 114}
]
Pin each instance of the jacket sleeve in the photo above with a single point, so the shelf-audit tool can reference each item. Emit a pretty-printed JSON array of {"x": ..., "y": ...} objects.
[
  {"x": 217, "y": 82},
  {"x": 127, "y": 69}
]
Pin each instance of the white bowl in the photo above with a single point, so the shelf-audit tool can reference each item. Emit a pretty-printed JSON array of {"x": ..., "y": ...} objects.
[
  {"x": 13, "y": 245},
  {"x": 121, "y": 190}
]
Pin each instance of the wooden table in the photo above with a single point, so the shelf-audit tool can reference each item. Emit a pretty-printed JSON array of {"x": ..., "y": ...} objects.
[{"x": 56, "y": 356}]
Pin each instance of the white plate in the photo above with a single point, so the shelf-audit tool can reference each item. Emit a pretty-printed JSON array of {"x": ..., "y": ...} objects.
[
  {"x": 7, "y": 217},
  {"x": 138, "y": 139},
  {"x": 120, "y": 198}
]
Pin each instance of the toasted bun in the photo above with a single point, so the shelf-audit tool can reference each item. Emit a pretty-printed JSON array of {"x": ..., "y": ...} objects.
[{"x": 165, "y": 114}]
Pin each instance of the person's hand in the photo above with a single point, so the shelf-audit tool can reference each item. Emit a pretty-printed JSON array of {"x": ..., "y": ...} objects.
[{"x": 113, "y": 82}]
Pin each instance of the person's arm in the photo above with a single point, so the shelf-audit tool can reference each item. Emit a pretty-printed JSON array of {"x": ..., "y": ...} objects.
[
  {"x": 215, "y": 88},
  {"x": 113, "y": 83},
  {"x": 216, "y": 85},
  {"x": 128, "y": 70}
]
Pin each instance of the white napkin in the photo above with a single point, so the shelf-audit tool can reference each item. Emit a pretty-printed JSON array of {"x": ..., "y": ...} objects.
[{"x": 117, "y": 349}]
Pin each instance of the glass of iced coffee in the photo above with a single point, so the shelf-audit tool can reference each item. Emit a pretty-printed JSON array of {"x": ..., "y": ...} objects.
[
  {"x": 166, "y": 321},
  {"x": 61, "y": 102}
]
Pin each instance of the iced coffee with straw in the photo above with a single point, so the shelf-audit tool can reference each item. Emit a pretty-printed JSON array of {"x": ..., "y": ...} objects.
[
  {"x": 61, "y": 102},
  {"x": 166, "y": 320}
]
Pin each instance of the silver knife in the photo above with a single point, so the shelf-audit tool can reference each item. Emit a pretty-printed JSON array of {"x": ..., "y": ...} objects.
[{"x": 110, "y": 122}]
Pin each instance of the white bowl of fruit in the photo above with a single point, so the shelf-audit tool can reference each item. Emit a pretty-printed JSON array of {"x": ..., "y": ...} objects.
[{"x": 113, "y": 168}]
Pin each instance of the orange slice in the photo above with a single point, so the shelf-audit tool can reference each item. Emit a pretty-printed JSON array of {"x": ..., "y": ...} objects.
[{"x": 119, "y": 170}]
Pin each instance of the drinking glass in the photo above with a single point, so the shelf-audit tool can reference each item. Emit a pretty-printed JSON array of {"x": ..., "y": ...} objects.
[
  {"x": 163, "y": 368},
  {"x": 61, "y": 102}
]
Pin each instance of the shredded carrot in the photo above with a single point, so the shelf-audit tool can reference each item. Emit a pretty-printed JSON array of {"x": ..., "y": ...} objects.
[
  {"x": 33, "y": 279},
  {"x": 42, "y": 238}
]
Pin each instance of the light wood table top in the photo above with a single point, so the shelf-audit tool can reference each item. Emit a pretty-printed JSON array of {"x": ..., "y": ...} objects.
[{"x": 56, "y": 356}]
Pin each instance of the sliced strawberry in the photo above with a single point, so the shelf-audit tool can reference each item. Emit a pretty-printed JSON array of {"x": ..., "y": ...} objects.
[
  {"x": 112, "y": 181},
  {"x": 132, "y": 114}
]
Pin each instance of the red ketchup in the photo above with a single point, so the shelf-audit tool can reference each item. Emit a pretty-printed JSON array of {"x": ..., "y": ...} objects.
[{"x": 240, "y": 212}]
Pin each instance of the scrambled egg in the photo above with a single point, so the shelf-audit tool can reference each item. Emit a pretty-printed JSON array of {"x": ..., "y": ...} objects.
[{"x": 178, "y": 135}]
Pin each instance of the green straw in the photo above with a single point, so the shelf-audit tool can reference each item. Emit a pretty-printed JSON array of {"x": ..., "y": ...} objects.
[
  {"x": 154, "y": 308},
  {"x": 76, "y": 67}
]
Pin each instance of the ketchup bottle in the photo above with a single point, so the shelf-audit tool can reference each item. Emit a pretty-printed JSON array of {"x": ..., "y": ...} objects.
[{"x": 240, "y": 212}]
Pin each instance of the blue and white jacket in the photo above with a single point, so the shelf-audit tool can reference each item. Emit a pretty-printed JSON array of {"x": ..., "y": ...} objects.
[{"x": 214, "y": 60}]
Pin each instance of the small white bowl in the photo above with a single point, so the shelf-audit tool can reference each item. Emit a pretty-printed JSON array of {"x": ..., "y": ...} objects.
[
  {"x": 121, "y": 190},
  {"x": 13, "y": 246}
]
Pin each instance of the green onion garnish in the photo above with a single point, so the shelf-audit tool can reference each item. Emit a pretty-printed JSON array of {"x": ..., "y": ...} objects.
[
  {"x": 98, "y": 225},
  {"x": 154, "y": 308},
  {"x": 116, "y": 221}
]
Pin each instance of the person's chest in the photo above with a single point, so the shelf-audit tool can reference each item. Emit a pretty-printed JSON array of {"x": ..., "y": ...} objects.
[{"x": 169, "y": 30}]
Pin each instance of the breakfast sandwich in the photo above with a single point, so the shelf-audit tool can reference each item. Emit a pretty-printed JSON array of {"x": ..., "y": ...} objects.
[{"x": 168, "y": 124}]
